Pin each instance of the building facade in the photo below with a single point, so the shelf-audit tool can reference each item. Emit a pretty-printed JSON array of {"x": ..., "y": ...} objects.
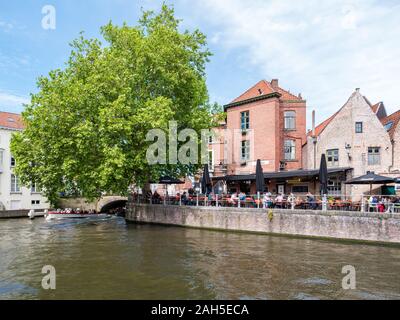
[
  {"x": 354, "y": 137},
  {"x": 266, "y": 122},
  {"x": 14, "y": 196},
  {"x": 392, "y": 125}
]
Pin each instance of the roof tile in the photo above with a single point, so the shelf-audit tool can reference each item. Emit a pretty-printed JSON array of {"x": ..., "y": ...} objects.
[
  {"x": 264, "y": 87},
  {"x": 11, "y": 121},
  {"x": 395, "y": 118}
]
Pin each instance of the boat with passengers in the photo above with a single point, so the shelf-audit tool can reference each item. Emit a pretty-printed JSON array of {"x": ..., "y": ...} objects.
[{"x": 74, "y": 214}]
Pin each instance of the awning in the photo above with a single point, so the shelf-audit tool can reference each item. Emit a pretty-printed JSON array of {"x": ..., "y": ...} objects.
[
  {"x": 371, "y": 178},
  {"x": 170, "y": 180},
  {"x": 281, "y": 175}
]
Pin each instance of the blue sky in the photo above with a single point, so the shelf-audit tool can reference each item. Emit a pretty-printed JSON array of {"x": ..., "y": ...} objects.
[{"x": 323, "y": 49}]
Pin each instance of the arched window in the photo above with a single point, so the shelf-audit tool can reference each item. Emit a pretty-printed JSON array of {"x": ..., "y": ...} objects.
[{"x": 290, "y": 120}]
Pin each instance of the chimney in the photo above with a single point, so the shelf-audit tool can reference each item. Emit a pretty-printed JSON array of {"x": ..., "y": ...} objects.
[
  {"x": 313, "y": 123},
  {"x": 300, "y": 96},
  {"x": 275, "y": 83},
  {"x": 357, "y": 89}
]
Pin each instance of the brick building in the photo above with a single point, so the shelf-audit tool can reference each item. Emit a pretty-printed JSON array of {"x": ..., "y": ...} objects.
[{"x": 268, "y": 123}]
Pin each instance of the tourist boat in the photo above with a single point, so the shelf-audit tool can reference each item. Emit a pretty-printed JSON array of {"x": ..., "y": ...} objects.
[{"x": 71, "y": 214}]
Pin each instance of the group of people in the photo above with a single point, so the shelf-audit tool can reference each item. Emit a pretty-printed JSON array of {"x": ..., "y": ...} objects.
[
  {"x": 266, "y": 200},
  {"x": 383, "y": 204},
  {"x": 76, "y": 211}
]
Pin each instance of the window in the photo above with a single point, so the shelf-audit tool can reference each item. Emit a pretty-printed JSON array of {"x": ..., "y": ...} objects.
[
  {"x": 334, "y": 187},
  {"x": 374, "y": 156},
  {"x": 12, "y": 161},
  {"x": 359, "y": 127},
  {"x": 245, "y": 120},
  {"x": 245, "y": 151},
  {"x": 211, "y": 160},
  {"x": 1, "y": 157},
  {"x": 333, "y": 157},
  {"x": 35, "y": 202},
  {"x": 389, "y": 125},
  {"x": 290, "y": 120},
  {"x": 300, "y": 189},
  {"x": 290, "y": 150},
  {"x": 35, "y": 188},
  {"x": 15, "y": 184}
]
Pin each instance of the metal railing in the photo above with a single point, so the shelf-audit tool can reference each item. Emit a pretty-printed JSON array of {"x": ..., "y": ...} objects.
[{"x": 360, "y": 203}]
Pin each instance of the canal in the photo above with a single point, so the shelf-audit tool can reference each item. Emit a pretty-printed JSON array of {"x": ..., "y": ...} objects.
[{"x": 113, "y": 260}]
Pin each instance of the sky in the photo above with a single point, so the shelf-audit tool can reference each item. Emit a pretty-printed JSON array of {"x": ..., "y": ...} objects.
[{"x": 321, "y": 49}]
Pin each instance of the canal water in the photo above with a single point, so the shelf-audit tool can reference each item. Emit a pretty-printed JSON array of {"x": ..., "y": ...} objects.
[{"x": 113, "y": 260}]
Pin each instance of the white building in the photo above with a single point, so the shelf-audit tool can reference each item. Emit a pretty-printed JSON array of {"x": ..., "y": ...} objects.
[
  {"x": 357, "y": 137},
  {"x": 13, "y": 196}
]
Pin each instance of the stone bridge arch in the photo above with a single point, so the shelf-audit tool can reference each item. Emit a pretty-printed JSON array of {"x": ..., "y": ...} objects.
[{"x": 110, "y": 202}]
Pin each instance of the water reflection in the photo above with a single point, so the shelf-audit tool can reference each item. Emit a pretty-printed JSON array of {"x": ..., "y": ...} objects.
[{"x": 112, "y": 260}]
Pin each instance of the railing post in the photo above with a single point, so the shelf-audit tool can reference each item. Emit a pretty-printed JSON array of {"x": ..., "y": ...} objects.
[
  {"x": 292, "y": 203},
  {"x": 197, "y": 199},
  {"x": 239, "y": 204},
  {"x": 180, "y": 200},
  {"x": 258, "y": 200},
  {"x": 216, "y": 200},
  {"x": 362, "y": 204},
  {"x": 324, "y": 203}
]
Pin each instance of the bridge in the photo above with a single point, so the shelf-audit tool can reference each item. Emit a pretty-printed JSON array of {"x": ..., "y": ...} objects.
[{"x": 105, "y": 204}]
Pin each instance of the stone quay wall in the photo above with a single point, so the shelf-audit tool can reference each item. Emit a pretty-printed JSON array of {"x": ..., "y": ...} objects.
[
  {"x": 374, "y": 227},
  {"x": 13, "y": 214}
]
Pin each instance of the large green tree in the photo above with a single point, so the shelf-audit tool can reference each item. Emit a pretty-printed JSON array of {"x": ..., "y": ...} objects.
[{"x": 86, "y": 127}]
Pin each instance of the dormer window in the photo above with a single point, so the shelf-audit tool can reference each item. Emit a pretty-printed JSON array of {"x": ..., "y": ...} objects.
[{"x": 388, "y": 125}]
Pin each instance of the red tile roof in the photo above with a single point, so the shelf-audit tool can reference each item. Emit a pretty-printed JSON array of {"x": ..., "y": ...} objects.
[
  {"x": 395, "y": 118},
  {"x": 264, "y": 87},
  {"x": 11, "y": 121},
  {"x": 321, "y": 127},
  {"x": 375, "y": 107}
]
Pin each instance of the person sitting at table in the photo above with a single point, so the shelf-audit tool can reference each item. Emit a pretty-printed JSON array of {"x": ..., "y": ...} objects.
[
  {"x": 184, "y": 198},
  {"x": 233, "y": 199},
  {"x": 279, "y": 201},
  {"x": 372, "y": 202},
  {"x": 191, "y": 192},
  {"x": 156, "y": 197},
  {"x": 242, "y": 196},
  {"x": 291, "y": 200},
  {"x": 311, "y": 201},
  {"x": 267, "y": 201}
]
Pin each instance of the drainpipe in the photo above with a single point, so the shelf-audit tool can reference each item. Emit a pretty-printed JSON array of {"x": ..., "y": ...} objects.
[
  {"x": 314, "y": 139},
  {"x": 392, "y": 165}
]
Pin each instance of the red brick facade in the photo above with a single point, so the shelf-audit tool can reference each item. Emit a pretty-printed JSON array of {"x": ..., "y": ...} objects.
[{"x": 266, "y": 104}]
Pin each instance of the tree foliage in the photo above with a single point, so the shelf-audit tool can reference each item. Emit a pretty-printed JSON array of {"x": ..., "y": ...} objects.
[{"x": 86, "y": 127}]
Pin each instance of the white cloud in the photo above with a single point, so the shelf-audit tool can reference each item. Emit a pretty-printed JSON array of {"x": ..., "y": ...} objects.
[
  {"x": 11, "y": 101},
  {"x": 324, "y": 49},
  {"x": 6, "y": 26}
]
